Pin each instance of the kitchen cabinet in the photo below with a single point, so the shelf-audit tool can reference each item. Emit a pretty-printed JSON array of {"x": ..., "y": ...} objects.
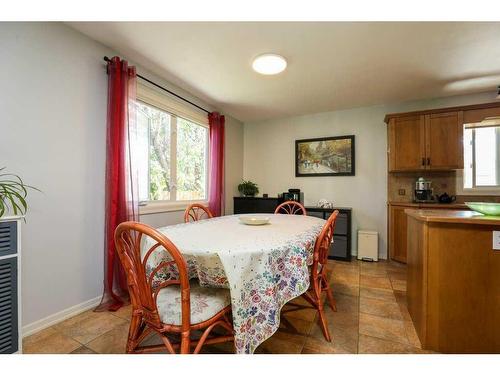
[
  {"x": 397, "y": 233},
  {"x": 398, "y": 230},
  {"x": 453, "y": 282},
  {"x": 406, "y": 143},
  {"x": 444, "y": 140},
  {"x": 426, "y": 142}
]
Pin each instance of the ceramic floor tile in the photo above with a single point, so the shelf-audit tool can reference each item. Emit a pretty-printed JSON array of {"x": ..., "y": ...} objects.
[
  {"x": 375, "y": 282},
  {"x": 113, "y": 342},
  {"x": 411, "y": 334},
  {"x": 349, "y": 278},
  {"x": 368, "y": 269},
  {"x": 277, "y": 346},
  {"x": 49, "y": 341},
  {"x": 388, "y": 329},
  {"x": 89, "y": 325},
  {"x": 396, "y": 275},
  {"x": 296, "y": 330},
  {"x": 377, "y": 293},
  {"x": 399, "y": 285},
  {"x": 125, "y": 312},
  {"x": 296, "y": 311},
  {"x": 365, "y": 300},
  {"x": 385, "y": 309},
  {"x": 348, "y": 289},
  {"x": 83, "y": 350},
  {"x": 374, "y": 345}
]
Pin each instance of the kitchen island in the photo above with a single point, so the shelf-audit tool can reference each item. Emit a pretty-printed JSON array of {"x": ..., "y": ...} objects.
[{"x": 453, "y": 282}]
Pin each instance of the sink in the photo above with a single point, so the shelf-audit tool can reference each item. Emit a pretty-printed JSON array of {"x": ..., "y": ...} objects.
[{"x": 491, "y": 209}]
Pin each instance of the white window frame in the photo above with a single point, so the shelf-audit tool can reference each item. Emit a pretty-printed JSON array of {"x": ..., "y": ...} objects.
[
  {"x": 175, "y": 109},
  {"x": 474, "y": 190}
]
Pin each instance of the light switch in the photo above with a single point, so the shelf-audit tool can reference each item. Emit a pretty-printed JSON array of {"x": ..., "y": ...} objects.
[{"x": 496, "y": 240}]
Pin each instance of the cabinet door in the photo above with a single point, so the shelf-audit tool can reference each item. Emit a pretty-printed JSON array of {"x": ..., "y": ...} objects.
[
  {"x": 397, "y": 233},
  {"x": 444, "y": 140},
  {"x": 406, "y": 143}
]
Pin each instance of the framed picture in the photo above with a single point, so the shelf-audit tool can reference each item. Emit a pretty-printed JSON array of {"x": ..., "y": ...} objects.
[{"x": 330, "y": 156}]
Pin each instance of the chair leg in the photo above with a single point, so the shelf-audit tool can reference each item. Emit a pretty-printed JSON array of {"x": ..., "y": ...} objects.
[
  {"x": 134, "y": 332},
  {"x": 324, "y": 325}
]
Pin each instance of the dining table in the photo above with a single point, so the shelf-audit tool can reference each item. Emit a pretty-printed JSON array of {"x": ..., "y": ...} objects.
[{"x": 263, "y": 266}]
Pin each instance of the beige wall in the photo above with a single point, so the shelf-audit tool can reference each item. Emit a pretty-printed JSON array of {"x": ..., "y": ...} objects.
[
  {"x": 269, "y": 158},
  {"x": 233, "y": 172}
]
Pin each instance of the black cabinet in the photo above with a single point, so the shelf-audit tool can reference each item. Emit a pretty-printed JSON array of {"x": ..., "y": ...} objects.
[
  {"x": 341, "y": 246},
  {"x": 254, "y": 205}
]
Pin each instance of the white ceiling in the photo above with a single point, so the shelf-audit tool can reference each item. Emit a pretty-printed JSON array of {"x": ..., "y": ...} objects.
[{"x": 331, "y": 65}]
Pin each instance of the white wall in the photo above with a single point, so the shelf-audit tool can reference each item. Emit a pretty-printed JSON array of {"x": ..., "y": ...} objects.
[
  {"x": 53, "y": 134},
  {"x": 269, "y": 156}
]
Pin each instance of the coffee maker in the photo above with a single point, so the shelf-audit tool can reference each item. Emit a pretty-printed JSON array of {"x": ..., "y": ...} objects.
[
  {"x": 423, "y": 191},
  {"x": 293, "y": 195}
]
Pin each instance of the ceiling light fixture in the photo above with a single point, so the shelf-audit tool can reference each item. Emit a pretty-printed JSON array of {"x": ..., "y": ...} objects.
[{"x": 269, "y": 63}]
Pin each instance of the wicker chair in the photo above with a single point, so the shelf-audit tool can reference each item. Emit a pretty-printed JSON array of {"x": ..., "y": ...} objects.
[
  {"x": 319, "y": 281},
  {"x": 196, "y": 211},
  {"x": 290, "y": 208},
  {"x": 170, "y": 306}
]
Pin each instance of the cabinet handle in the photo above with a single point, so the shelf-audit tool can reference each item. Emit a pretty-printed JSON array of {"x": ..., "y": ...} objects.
[
  {"x": 428, "y": 161},
  {"x": 423, "y": 161}
]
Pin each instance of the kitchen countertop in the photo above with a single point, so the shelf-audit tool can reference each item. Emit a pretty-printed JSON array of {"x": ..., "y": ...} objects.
[
  {"x": 430, "y": 205},
  {"x": 453, "y": 216}
]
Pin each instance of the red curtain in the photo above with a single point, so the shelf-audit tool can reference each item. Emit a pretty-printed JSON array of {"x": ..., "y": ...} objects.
[
  {"x": 216, "y": 181},
  {"x": 121, "y": 177}
]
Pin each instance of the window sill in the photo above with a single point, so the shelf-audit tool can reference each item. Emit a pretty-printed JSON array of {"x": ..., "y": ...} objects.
[
  {"x": 156, "y": 208},
  {"x": 480, "y": 191}
]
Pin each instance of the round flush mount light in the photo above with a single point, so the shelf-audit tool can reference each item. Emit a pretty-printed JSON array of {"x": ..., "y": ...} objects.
[{"x": 269, "y": 64}]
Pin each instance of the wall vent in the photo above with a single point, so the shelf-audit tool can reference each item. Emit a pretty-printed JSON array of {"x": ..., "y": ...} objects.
[
  {"x": 8, "y": 238},
  {"x": 8, "y": 306}
]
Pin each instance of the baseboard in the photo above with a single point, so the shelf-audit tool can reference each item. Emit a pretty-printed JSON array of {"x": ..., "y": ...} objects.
[{"x": 58, "y": 317}]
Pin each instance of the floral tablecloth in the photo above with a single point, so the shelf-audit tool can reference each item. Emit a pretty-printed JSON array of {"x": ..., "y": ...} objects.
[{"x": 263, "y": 266}]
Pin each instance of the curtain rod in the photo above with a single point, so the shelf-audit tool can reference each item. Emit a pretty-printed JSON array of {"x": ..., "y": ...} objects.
[{"x": 107, "y": 59}]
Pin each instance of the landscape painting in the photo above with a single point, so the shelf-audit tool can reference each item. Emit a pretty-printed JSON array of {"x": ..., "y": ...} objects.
[{"x": 331, "y": 156}]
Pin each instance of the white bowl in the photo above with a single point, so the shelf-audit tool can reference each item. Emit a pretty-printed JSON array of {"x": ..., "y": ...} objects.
[{"x": 254, "y": 220}]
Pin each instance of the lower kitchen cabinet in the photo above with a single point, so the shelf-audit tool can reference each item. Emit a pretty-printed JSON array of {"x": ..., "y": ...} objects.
[{"x": 397, "y": 226}]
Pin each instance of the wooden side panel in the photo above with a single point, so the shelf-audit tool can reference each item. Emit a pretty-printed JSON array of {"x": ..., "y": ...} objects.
[
  {"x": 494, "y": 294},
  {"x": 458, "y": 305},
  {"x": 397, "y": 233},
  {"x": 444, "y": 141},
  {"x": 416, "y": 289},
  {"x": 406, "y": 143}
]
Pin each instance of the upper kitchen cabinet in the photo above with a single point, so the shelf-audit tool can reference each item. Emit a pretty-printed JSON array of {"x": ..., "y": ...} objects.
[
  {"x": 406, "y": 139},
  {"x": 444, "y": 141},
  {"x": 425, "y": 141}
]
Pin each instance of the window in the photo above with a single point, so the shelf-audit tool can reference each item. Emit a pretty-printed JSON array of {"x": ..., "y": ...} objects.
[
  {"x": 172, "y": 155},
  {"x": 482, "y": 155}
]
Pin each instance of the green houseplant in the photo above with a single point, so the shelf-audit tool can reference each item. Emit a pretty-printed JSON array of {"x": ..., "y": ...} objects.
[
  {"x": 13, "y": 193},
  {"x": 248, "y": 188}
]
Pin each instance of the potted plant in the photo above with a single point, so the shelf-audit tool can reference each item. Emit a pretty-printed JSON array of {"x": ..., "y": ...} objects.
[
  {"x": 248, "y": 188},
  {"x": 13, "y": 193}
]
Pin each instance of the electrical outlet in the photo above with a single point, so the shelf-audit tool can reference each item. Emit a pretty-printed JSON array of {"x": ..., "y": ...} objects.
[
  {"x": 402, "y": 192},
  {"x": 496, "y": 240}
]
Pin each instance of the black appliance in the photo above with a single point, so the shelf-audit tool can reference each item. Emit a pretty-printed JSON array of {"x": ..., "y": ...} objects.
[{"x": 293, "y": 195}]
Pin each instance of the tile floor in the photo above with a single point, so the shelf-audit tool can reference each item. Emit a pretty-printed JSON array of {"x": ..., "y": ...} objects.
[{"x": 371, "y": 317}]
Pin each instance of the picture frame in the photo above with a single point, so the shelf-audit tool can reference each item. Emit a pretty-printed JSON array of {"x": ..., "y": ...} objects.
[{"x": 327, "y": 156}]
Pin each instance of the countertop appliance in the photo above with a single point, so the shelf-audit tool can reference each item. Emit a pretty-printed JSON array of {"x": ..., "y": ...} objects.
[
  {"x": 423, "y": 191},
  {"x": 293, "y": 195}
]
